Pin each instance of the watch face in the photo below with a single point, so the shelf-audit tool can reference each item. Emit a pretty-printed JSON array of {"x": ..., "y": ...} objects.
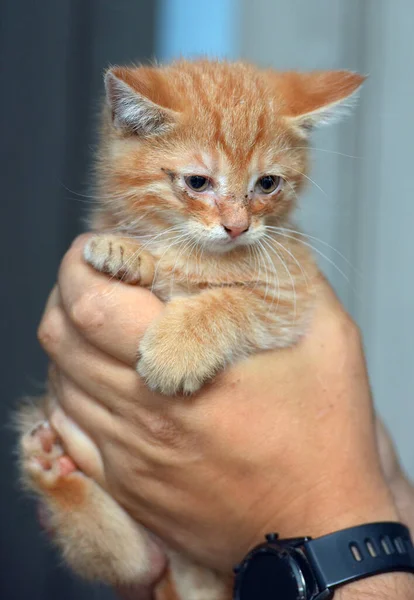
[{"x": 267, "y": 577}]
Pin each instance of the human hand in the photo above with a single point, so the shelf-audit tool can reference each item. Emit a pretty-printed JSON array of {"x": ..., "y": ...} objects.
[{"x": 284, "y": 440}]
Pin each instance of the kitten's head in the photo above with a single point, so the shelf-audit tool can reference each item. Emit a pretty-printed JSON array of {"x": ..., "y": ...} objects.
[{"x": 215, "y": 150}]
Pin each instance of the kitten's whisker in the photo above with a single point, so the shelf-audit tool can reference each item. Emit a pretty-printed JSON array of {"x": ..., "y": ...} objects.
[
  {"x": 200, "y": 259},
  {"x": 312, "y": 237},
  {"x": 272, "y": 240},
  {"x": 133, "y": 256},
  {"x": 331, "y": 262},
  {"x": 194, "y": 245},
  {"x": 251, "y": 260},
  {"x": 83, "y": 201},
  {"x": 259, "y": 263},
  {"x": 259, "y": 252},
  {"x": 289, "y": 275},
  {"x": 89, "y": 196},
  {"x": 184, "y": 245},
  {"x": 277, "y": 281},
  {"x": 321, "y": 150},
  {"x": 174, "y": 242},
  {"x": 306, "y": 177},
  {"x": 187, "y": 248},
  {"x": 265, "y": 268},
  {"x": 156, "y": 237},
  {"x": 293, "y": 190},
  {"x": 273, "y": 270}
]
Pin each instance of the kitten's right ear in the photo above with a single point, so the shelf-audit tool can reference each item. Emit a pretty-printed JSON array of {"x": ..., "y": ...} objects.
[
  {"x": 132, "y": 110},
  {"x": 317, "y": 97}
]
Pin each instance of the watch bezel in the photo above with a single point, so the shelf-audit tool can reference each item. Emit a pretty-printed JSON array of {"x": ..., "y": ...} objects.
[{"x": 290, "y": 552}]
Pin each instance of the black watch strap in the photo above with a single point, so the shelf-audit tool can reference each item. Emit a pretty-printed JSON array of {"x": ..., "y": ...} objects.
[
  {"x": 312, "y": 569},
  {"x": 359, "y": 552}
]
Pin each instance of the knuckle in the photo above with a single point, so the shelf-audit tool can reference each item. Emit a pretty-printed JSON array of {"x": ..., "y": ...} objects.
[
  {"x": 350, "y": 331},
  {"x": 354, "y": 333},
  {"x": 51, "y": 330},
  {"x": 344, "y": 327},
  {"x": 348, "y": 338},
  {"x": 85, "y": 312},
  {"x": 161, "y": 429}
]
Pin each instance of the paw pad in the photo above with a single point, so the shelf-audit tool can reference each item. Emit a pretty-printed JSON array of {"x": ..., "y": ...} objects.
[{"x": 43, "y": 455}]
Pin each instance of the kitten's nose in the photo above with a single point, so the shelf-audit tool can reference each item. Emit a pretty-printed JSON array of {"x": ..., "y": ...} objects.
[{"x": 235, "y": 231}]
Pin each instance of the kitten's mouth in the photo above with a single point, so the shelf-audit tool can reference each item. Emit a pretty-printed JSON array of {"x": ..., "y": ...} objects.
[
  {"x": 227, "y": 245},
  {"x": 229, "y": 242}
]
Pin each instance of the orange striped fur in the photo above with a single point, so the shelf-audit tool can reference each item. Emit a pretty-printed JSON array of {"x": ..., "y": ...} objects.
[{"x": 235, "y": 275}]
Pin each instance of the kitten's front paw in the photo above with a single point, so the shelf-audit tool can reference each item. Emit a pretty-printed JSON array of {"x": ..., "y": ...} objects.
[
  {"x": 121, "y": 258},
  {"x": 173, "y": 360}
]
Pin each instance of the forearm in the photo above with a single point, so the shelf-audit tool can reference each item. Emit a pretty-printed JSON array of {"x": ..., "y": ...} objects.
[{"x": 392, "y": 586}]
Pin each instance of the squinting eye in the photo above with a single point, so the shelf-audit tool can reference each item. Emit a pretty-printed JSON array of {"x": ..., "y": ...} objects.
[
  {"x": 197, "y": 183},
  {"x": 268, "y": 184}
]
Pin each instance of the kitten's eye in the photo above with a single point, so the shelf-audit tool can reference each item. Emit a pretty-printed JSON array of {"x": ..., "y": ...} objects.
[
  {"x": 197, "y": 183},
  {"x": 268, "y": 184}
]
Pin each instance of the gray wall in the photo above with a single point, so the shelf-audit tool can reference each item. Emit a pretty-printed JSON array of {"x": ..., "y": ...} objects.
[
  {"x": 52, "y": 56},
  {"x": 367, "y": 211}
]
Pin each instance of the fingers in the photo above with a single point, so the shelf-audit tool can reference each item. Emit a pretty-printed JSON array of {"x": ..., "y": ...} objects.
[
  {"x": 107, "y": 379},
  {"x": 111, "y": 315},
  {"x": 72, "y": 416},
  {"x": 144, "y": 429}
]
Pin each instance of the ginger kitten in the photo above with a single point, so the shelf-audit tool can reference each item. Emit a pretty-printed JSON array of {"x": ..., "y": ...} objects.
[{"x": 198, "y": 171}]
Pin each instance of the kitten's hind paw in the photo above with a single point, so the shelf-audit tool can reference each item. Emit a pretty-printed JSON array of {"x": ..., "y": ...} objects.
[
  {"x": 44, "y": 460},
  {"x": 120, "y": 257},
  {"x": 98, "y": 539}
]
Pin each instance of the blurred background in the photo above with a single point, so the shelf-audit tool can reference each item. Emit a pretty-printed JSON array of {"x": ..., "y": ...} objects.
[{"x": 52, "y": 57}]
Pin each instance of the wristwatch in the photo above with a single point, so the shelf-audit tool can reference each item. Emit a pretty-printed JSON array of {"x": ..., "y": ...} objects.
[{"x": 312, "y": 569}]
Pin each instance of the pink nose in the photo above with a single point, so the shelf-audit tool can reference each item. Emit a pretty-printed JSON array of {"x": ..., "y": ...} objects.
[{"x": 235, "y": 231}]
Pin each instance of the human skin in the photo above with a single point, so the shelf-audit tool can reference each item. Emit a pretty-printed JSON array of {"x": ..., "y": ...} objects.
[{"x": 283, "y": 441}]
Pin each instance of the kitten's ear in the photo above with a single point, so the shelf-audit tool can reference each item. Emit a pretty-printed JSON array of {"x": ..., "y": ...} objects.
[
  {"x": 128, "y": 93},
  {"x": 319, "y": 97}
]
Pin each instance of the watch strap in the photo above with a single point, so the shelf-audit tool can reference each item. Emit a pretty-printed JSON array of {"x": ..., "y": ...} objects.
[{"x": 359, "y": 552}]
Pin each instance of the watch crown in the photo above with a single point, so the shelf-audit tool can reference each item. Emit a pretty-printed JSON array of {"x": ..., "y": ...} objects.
[{"x": 272, "y": 537}]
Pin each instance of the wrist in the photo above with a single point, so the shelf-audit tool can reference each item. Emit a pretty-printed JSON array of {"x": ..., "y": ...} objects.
[
  {"x": 329, "y": 508},
  {"x": 391, "y": 586}
]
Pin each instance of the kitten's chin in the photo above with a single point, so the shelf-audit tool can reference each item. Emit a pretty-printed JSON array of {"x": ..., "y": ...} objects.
[{"x": 225, "y": 247}]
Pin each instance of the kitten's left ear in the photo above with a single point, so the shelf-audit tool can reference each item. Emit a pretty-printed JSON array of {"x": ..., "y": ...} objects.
[
  {"x": 134, "y": 98},
  {"x": 318, "y": 97}
]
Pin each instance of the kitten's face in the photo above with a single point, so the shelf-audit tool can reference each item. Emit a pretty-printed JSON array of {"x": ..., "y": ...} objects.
[
  {"x": 215, "y": 151},
  {"x": 223, "y": 197}
]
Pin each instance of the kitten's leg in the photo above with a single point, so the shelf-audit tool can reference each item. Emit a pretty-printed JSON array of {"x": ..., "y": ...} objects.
[
  {"x": 97, "y": 537},
  {"x": 196, "y": 337},
  {"x": 193, "y": 582},
  {"x": 120, "y": 257}
]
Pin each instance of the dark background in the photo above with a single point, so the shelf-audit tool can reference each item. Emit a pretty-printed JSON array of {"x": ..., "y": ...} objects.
[{"x": 52, "y": 54}]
